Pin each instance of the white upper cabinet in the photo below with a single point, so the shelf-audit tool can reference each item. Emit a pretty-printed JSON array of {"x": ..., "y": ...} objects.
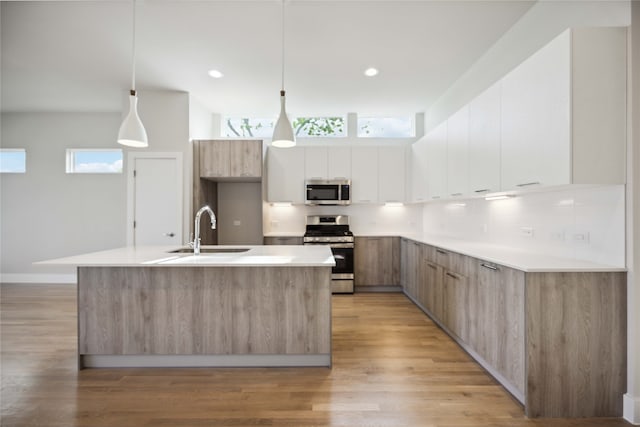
[
  {"x": 327, "y": 162},
  {"x": 285, "y": 174},
  {"x": 563, "y": 112},
  {"x": 536, "y": 118},
  {"x": 418, "y": 156},
  {"x": 484, "y": 142},
  {"x": 315, "y": 162},
  {"x": 436, "y": 152},
  {"x": 364, "y": 174},
  {"x": 339, "y": 163},
  {"x": 457, "y": 153},
  {"x": 391, "y": 174}
]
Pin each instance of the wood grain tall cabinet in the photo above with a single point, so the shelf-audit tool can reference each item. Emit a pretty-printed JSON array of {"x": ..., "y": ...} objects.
[{"x": 217, "y": 162}]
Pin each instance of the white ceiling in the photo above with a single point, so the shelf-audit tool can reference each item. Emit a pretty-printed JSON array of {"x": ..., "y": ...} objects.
[{"x": 76, "y": 55}]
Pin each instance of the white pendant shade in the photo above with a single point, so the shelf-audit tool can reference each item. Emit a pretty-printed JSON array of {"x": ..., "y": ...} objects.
[
  {"x": 132, "y": 132},
  {"x": 283, "y": 132}
]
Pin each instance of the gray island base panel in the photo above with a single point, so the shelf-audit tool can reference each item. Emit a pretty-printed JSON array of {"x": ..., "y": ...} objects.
[{"x": 204, "y": 316}]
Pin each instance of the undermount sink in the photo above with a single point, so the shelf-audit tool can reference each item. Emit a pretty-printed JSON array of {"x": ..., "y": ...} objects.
[{"x": 209, "y": 250}]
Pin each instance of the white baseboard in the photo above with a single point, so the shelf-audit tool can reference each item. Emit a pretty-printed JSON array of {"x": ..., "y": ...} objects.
[
  {"x": 631, "y": 409},
  {"x": 38, "y": 278}
]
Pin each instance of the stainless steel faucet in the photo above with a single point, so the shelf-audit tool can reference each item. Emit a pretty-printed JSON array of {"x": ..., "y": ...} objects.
[{"x": 196, "y": 238}]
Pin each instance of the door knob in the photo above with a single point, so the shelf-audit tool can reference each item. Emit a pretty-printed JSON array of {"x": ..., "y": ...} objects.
[{"x": 169, "y": 234}]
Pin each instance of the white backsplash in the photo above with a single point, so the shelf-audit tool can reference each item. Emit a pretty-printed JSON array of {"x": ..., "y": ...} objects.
[
  {"x": 364, "y": 219},
  {"x": 555, "y": 219},
  {"x": 586, "y": 223}
]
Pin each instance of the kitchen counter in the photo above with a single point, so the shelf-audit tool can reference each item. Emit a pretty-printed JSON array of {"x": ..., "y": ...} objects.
[
  {"x": 162, "y": 256},
  {"x": 503, "y": 255},
  {"x": 149, "y": 307}
]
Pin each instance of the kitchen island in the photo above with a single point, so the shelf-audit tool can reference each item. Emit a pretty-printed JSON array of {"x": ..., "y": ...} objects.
[{"x": 237, "y": 306}]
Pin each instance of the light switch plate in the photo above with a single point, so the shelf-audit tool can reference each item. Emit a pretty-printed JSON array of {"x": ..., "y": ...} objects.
[{"x": 526, "y": 231}]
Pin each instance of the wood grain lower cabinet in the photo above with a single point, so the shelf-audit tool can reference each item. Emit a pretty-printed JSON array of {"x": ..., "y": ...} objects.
[
  {"x": 497, "y": 319},
  {"x": 283, "y": 240},
  {"x": 377, "y": 261},
  {"x": 556, "y": 341}
]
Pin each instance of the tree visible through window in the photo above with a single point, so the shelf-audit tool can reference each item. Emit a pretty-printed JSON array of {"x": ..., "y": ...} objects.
[{"x": 328, "y": 127}]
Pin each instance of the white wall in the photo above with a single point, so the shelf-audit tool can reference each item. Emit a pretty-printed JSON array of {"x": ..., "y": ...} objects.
[
  {"x": 632, "y": 398},
  {"x": 544, "y": 21},
  {"x": 555, "y": 217},
  {"x": 47, "y": 213}
]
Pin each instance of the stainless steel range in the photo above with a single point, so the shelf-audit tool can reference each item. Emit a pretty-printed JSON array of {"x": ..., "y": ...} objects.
[{"x": 333, "y": 230}]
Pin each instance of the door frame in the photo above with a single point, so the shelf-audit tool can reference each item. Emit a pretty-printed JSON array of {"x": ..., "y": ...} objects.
[{"x": 131, "y": 158}]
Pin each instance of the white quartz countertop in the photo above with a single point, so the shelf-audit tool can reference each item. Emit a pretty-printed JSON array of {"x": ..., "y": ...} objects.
[
  {"x": 162, "y": 256},
  {"x": 504, "y": 255}
]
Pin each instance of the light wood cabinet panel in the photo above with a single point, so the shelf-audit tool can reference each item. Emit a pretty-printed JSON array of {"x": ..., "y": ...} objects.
[
  {"x": 576, "y": 344},
  {"x": 555, "y": 340},
  {"x": 214, "y": 159},
  {"x": 283, "y": 240},
  {"x": 498, "y": 314},
  {"x": 225, "y": 159},
  {"x": 203, "y": 310},
  {"x": 377, "y": 261},
  {"x": 246, "y": 159}
]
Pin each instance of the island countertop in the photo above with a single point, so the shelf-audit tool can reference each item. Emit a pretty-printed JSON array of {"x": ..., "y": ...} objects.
[{"x": 165, "y": 256}]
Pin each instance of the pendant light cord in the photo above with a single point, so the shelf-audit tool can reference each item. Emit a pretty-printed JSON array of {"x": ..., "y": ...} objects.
[
  {"x": 283, "y": 45},
  {"x": 133, "y": 50}
]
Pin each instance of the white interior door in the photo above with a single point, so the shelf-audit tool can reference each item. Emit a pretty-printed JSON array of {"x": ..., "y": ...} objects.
[{"x": 157, "y": 200}]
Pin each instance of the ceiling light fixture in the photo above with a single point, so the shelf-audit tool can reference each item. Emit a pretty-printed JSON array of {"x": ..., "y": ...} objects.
[
  {"x": 215, "y": 74},
  {"x": 370, "y": 72},
  {"x": 132, "y": 132},
  {"x": 283, "y": 132}
]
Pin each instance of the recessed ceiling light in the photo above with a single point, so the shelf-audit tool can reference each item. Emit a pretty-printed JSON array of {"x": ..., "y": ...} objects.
[
  {"x": 370, "y": 72},
  {"x": 215, "y": 74}
]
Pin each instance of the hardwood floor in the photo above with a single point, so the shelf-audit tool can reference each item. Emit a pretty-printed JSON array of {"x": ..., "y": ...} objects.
[{"x": 391, "y": 367}]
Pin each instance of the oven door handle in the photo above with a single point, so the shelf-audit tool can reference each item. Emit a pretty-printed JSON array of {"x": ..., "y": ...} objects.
[{"x": 341, "y": 245}]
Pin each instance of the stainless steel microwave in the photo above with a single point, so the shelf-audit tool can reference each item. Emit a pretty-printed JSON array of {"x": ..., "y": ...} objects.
[{"x": 328, "y": 192}]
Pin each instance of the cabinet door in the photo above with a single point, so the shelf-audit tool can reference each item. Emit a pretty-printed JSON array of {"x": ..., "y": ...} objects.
[
  {"x": 285, "y": 173},
  {"x": 535, "y": 122},
  {"x": 377, "y": 261},
  {"x": 364, "y": 174},
  {"x": 245, "y": 159},
  {"x": 437, "y": 162},
  {"x": 419, "y": 171},
  {"x": 391, "y": 174},
  {"x": 404, "y": 264},
  {"x": 214, "y": 159},
  {"x": 484, "y": 142},
  {"x": 339, "y": 159},
  {"x": 457, "y": 153},
  {"x": 456, "y": 304},
  {"x": 315, "y": 163}
]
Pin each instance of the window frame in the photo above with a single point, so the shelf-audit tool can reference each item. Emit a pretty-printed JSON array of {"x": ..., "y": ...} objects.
[
  {"x": 70, "y": 163},
  {"x": 15, "y": 150}
]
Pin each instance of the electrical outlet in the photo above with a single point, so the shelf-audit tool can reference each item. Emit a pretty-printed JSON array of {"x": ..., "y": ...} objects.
[
  {"x": 581, "y": 237},
  {"x": 558, "y": 236},
  {"x": 526, "y": 231},
  {"x": 237, "y": 222},
  {"x": 485, "y": 228}
]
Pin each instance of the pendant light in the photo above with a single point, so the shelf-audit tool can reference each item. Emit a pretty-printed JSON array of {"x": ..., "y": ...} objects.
[
  {"x": 132, "y": 132},
  {"x": 283, "y": 133}
]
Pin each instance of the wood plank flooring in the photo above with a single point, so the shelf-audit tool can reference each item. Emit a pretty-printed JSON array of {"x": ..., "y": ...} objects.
[{"x": 391, "y": 367}]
